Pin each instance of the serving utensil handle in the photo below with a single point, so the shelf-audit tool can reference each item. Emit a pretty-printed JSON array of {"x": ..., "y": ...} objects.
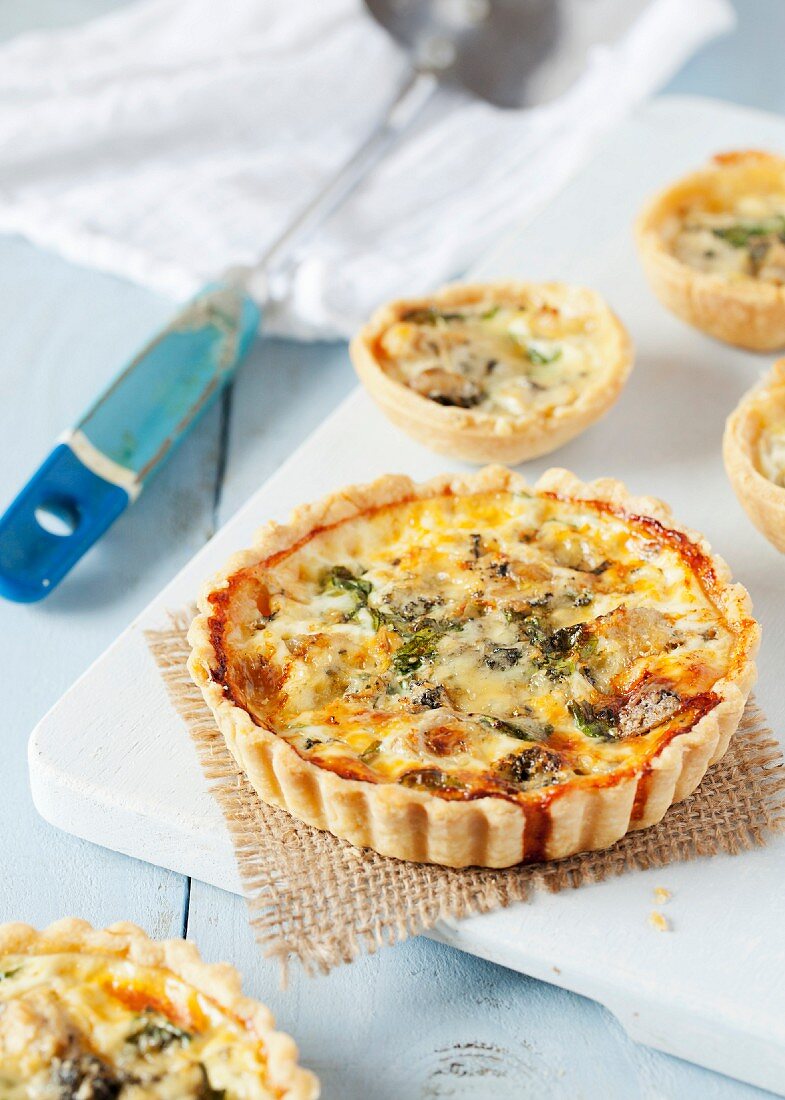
[{"x": 100, "y": 467}]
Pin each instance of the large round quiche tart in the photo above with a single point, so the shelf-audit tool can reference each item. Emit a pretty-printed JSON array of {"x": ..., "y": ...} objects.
[
  {"x": 471, "y": 671},
  {"x": 113, "y": 1015}
]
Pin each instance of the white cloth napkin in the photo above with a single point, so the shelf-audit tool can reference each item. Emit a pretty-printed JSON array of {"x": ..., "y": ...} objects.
[{"x": 174, "y": 138}]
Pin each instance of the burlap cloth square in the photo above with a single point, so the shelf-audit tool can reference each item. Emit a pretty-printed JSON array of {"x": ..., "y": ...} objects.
[{"x": 320, "y": 900}]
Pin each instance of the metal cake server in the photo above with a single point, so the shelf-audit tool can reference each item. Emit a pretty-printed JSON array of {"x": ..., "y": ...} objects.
[{"x": 513, "y": 53}]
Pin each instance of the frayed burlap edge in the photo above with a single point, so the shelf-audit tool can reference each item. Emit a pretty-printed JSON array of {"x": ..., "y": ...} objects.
[{"x": 316, "y": 898}]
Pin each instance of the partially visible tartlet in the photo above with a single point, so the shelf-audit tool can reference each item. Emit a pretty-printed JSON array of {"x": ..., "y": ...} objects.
[
  {"x": 754, "y": 454},
  {"x": 713, "y": 249},
  {"x": 112, "y": 1015},
  {"x": 495, "y": 372}
]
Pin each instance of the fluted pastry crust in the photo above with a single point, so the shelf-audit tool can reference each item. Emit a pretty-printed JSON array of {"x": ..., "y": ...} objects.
[{"x": 415, "y": 824}]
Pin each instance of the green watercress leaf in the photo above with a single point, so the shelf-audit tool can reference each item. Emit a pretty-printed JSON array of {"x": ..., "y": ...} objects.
[
  {"x": 157, "y": 1035},
  {"x": 741, "y": 234},
  {"x": 432, "y": 779},
  {"x": 421, "y": 646},
  {"x": 523, "y": 731},
  {"x": 429, "y": 315},
  {"x": 542, "y": 358},
  {"x": 595, "y": 722}
]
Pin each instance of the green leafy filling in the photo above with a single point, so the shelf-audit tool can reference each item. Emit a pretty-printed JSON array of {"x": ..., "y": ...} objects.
[
  {"x": 741, "y": 235},
  {"x": 422, "y": 635},
  {"x": 542, "y": 358},
  {"x": 154, "y": 1036},
  {"x": 431, "y": 316},
  {"x": 340, "y": 579},
  {"x": 598, "y": 722},
  {"x": 432, "y": 779},
  {"x": 526, "y": 731},
  {"x": 4, "y": 974},
  {"x": 420, "y": 647},
  {"x": 555, "y": 649}
]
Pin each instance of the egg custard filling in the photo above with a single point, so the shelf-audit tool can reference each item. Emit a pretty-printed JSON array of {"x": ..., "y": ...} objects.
[
  {"x": 504, "y": 355},
  {"x": 745, "y": 241},
  {"x": 771, "y": 445},
  {"x": 77, "y": 1026},
  {"x": 489, "y": 643}
]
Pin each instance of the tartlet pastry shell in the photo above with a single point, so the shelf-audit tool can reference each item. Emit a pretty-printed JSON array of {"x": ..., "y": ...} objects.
[
  {"x": 489, "y": 831},
  {"x": 481, "y": 437},
  {"x": 762, "y": 500},
  {"x": 747, "y": 313},
  {"x": 218, "y": 981}
]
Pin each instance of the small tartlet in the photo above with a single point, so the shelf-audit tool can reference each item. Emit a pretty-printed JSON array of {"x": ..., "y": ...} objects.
[
  {"x": 541, "y": 771},
  {"x": 110, "y": 1012},
  {"x": 494, "y": 372},
  {"x": 754, "y": 453},
  {"x": 712, "y": 246}
]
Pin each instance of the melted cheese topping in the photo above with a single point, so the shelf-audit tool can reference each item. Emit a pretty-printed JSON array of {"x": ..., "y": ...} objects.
[
  {"x": 484, "y": 644},
  {"x": 746, "y": 241},
  {"x": 87, "y": 1027},
  {"x": 503, "y": 358}
]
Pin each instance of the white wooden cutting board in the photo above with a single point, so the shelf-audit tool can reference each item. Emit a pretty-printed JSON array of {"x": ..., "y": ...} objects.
[{"x": 112, "y": 763}]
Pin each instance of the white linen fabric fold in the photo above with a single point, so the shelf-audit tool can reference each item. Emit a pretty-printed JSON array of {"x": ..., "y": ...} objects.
[{"x": 174, "y": 138}]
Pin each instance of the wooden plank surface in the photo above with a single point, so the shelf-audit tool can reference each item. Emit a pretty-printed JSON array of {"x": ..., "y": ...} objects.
[
  {"x": 420, "y": 1020},
  {"x": 63, "y": 333}
]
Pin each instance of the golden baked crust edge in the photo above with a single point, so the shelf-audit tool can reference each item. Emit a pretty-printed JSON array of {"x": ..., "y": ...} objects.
[
  {"x": 747, "y": 314},
  {"x": 481, "y": 437},
  {"x": 218, "y": 981},
  {"x": 415, "y": 825},
  {"x": 762, "y": 500}
]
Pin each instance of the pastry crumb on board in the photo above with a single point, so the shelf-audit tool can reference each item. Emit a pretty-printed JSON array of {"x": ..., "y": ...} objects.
[{"x": 659, "y": 922}]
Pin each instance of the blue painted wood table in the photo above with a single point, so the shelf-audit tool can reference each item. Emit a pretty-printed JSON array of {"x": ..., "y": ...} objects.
[{"x": 418, "y": 1020}]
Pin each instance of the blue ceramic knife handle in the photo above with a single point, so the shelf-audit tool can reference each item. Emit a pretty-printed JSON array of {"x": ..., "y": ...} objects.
[{"x": 101, "y": 466}]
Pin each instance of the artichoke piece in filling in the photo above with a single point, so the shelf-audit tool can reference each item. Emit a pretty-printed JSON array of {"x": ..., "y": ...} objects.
[{"x": 495, "y": 643}]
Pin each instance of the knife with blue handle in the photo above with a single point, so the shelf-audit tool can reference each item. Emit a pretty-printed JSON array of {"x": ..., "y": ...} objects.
[{"x": 99, "y": 468}]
